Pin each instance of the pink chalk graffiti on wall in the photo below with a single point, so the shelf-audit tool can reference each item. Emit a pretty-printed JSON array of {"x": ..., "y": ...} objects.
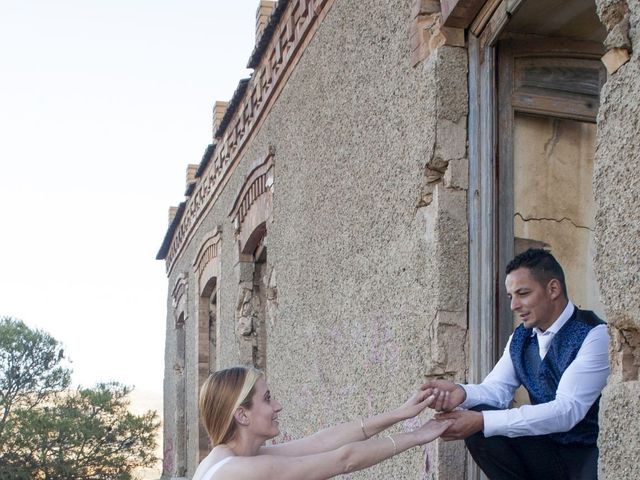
[
  {"x": 284, "y": 437},
  {"x": 167, "y": 462}
]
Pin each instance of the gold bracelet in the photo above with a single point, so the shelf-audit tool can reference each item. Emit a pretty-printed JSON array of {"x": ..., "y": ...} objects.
[
  {"x": 362, "y": 428},
  {"x": 395, "y": 447}
]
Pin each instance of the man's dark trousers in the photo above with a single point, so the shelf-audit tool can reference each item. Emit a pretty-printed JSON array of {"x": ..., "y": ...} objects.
[{"x": 531, "y": 458}]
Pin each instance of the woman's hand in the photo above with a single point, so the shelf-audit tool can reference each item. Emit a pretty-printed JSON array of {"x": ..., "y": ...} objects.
[
  {"x": 431, "y": 430},
  {"x": 416, "y": 403}
]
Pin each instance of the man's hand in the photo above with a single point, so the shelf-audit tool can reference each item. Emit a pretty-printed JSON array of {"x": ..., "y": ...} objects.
[
  {"x": 467, "y": 422},
  {"x": 446, "y": 395}
]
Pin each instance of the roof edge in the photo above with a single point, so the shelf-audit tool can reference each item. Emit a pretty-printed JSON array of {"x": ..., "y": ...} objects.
[{"x": 168, "y": 237}]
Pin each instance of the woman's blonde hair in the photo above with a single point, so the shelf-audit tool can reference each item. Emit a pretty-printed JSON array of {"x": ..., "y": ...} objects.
[{"x": 220, "y": 395}]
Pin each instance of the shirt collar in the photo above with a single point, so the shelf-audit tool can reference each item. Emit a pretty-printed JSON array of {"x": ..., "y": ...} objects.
[{"x": 559, "y": 323}]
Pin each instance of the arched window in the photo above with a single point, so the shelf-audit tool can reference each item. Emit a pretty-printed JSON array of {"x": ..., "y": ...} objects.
[
  {"x": 175, "y": 461},
  {"x": 251, "y": 215},
  {"x": 207, "y": 273}
]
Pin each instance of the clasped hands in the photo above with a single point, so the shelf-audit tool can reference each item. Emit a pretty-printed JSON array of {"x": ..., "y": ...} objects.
[{"x": 444, "y": 396}]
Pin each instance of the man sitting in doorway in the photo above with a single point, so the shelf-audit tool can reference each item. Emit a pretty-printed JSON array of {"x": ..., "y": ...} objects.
[{"x": 560, "y": 355}]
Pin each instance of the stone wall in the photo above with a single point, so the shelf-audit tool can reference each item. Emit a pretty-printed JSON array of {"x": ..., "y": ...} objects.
[
  {"x": 617, "y": 189},
  {"x": 368, "y": 234}
]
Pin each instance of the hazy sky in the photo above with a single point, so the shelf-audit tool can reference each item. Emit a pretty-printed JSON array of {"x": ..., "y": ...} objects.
[{"x": 103, "y": 103}]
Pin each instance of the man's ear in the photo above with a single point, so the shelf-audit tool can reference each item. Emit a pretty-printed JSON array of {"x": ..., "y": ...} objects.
[
  {"x": 240, "y": 416},
  {"x": 554, "y": 289}
]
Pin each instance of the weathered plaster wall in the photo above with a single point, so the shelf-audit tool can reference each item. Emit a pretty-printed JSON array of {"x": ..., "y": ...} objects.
[
  {"x": 617, "y": 187},
  {"x": 553, "y": 197},
  {"x": 369, "y": 231}
]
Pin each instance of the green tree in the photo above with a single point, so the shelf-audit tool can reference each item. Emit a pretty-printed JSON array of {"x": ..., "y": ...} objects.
[
  {"x": 31, "y": 368},
  {"x": 54, "y": 433}
]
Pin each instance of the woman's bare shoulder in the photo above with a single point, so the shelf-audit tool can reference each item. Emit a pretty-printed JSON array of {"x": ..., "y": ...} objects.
[
  {"x": 277, "y": 467},
  {"x": 217, "y": 455}
]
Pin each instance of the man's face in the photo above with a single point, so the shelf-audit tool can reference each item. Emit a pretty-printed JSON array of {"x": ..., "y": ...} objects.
[{"x": 531, "y": 301}]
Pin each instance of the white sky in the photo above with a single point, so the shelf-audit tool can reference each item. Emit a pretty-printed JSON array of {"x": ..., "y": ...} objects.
[{"x": 102, "y": 106}]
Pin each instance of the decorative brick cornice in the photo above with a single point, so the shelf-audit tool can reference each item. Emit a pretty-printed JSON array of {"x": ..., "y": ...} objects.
[
  {"x": 266, "y": 33},
  {"x": 206, "y": 157},
  {"x": 295, "y": 28},
  {"x": 175, "y": 216},
  {"x": 234, "y": 103}
]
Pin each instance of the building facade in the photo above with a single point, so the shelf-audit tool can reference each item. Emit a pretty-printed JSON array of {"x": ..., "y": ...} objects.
[{"x": 348, "y": 227}]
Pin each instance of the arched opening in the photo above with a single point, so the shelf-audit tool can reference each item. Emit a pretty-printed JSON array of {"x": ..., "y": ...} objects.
[
  {"x": 252, "y": 299},
  {"x": 250, "y": 215},
  {"x": 207, "y": 348},
  {"x": 207, "y": 270},
  {"x": 180, "y": 442},
  {"x": 175, "y": 450},
  {"x": 259, "y": 347}
]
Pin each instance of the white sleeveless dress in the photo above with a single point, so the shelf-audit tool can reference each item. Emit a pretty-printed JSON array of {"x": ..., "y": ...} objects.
[{"x": 208, "y": 475}]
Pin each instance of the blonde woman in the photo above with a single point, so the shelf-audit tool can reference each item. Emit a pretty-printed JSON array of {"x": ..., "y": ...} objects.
[{"x": 240, "y": 415}]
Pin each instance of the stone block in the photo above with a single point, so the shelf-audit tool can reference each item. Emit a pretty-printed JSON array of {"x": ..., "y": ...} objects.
[
  {"x": 452, "y": 237},
  {"x": 454, "y": 37},
  {"x": 448, "y": 346},
  {"x": 424, "y": 7},
  {"x": 457, "y": 174},
  {"x": 624, "y": 351},
  {"x": 611, "y": 12},
  {"x": 445, "y": 460},
  {"x": 618, "y": 36},
  {"x": 449, "y": 352},
  {"x": 615, "y": 58},
  {"x": 451, "y": 83},
  {"x": 451, "y": 139}
]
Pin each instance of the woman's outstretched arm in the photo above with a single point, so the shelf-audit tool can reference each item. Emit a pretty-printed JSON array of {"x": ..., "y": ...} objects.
[
  {"x": 358, "y": 430},
  {"x": 348, "y": 458}
]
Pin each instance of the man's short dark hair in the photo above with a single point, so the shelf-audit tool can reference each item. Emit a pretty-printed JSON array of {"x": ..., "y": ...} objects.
[{"x": 542, "y": 265}]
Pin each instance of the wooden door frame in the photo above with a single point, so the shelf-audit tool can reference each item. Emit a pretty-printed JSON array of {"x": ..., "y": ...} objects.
[{"x": 493, "y": 102}]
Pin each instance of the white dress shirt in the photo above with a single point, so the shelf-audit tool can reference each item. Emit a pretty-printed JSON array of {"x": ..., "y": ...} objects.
[{"x": 579, "y": 387}]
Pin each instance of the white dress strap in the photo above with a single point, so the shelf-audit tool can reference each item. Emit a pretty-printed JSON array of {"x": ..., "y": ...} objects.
[{"x": 209, "y": 473}]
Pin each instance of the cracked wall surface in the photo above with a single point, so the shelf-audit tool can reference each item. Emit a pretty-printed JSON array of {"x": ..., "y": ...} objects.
[
  {"x": 553, "y": 198},
  {"x": 617, "y": 233}
]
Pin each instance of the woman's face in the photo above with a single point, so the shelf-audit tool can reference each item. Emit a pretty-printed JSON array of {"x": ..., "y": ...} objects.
[{"x": 264, "y": 411}]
